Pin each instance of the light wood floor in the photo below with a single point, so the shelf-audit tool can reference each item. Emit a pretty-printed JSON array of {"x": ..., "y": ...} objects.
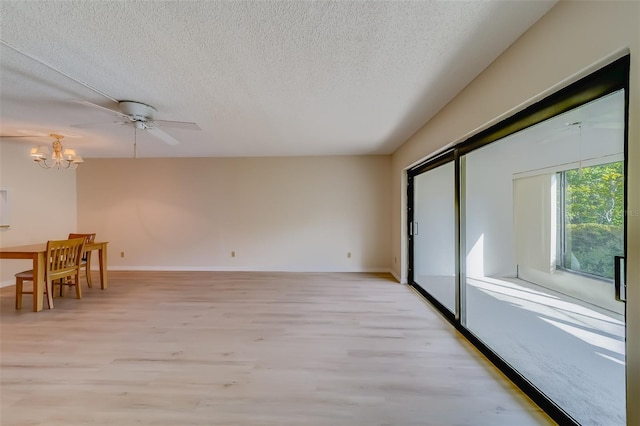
[{"x": 231, "y": 348}]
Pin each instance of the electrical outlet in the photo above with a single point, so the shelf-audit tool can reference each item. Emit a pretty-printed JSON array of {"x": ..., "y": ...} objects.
[
  {"x": 121, "y": 254},
  {"x": 233, "y": 254}
]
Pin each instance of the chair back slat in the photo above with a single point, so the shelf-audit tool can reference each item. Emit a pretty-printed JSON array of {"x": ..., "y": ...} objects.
[
  {"x": 63, "y": 257},
  {"x": 89, "y": 239}
]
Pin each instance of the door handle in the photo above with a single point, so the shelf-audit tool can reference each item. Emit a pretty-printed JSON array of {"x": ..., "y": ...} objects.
[
  {"x": 619, "y": 281},
  {"x": 413, "y": 228}
]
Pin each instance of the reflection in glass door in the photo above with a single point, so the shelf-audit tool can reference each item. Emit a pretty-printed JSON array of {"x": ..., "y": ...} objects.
[
  {"x": 543, "y": 222},
  {"x": 434, "y": 235}
]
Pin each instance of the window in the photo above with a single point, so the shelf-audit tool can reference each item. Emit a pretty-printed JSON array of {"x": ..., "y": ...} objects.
[{"x": 591, "y": 219}]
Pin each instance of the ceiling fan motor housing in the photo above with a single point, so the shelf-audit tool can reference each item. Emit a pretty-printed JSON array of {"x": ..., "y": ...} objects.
[{"x": 137, "y": 111}]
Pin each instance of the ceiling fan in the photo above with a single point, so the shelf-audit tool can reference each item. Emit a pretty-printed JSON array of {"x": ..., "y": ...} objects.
[{"x": 140, "y": 116}]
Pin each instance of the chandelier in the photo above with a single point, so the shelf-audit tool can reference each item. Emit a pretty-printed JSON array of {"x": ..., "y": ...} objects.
[{"x": 60, "y": 159}]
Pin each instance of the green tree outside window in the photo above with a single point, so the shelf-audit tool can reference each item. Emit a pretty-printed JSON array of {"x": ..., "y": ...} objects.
[{"x": 593, "y": 218}]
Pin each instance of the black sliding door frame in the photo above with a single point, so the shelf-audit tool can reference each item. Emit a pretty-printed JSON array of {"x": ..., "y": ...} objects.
[{"x": 609, "y": 79}]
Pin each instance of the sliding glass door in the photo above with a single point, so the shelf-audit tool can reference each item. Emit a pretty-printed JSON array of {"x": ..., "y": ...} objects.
[
  {"x": 518, "y": 235},
  {"x": 544, "y": 220},
  {"x": 433, "y": 234}
]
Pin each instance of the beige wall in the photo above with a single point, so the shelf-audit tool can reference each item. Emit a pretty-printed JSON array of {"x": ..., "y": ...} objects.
[
  {"x": 573, "y": 39},
  {"x": 302, "y": 214},
  {"x": 42, "y": 203}
]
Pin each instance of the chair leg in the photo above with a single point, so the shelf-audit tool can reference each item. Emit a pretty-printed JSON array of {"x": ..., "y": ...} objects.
[
  {"x": 87, "y": 269},
  {"x": 88, "y": 278},
  {"x": 48, "y": 288},
  {"x": 18, "y": 293},
  {"x": 78, "y": 286}
]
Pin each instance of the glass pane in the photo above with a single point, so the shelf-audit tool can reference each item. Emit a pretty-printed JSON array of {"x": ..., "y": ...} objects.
[
  {"x": 593, "y": 218},
  {"x": 434, "y": 243},
  {"x": 543, "y": 197}
]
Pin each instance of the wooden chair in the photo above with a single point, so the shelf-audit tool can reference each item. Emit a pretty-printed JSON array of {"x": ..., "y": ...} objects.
[
  {"x": 62, "y": 261},
  {"x": 86, "y": 256}
]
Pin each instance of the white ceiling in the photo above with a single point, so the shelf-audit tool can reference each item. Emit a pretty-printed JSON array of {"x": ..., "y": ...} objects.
[{"x": 260, "y": 78}]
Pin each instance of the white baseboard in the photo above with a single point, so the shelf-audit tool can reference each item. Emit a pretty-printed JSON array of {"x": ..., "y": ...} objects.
[
  {"x": 241, "y": 269},
  {"x": 230, "y": 269}
]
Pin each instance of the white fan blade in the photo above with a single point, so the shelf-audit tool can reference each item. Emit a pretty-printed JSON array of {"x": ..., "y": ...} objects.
[
  {"x": 27, "y": 134},
  {"x": 91, "y": 125},
  {"x": 160, "y": 134},
  {"x": 177, "y": 124},
  {"x": 105, "y": 109}
]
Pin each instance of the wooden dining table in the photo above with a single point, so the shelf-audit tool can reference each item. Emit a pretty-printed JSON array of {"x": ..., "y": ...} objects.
[{"x": 37, "y": 253}]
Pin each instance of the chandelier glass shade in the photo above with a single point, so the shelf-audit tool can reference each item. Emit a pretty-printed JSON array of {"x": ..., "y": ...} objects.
[{"x": 61, "y": 158}]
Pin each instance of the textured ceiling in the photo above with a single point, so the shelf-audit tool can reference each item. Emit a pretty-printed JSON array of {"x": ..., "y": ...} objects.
[{"x": 266, "y": 78}]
